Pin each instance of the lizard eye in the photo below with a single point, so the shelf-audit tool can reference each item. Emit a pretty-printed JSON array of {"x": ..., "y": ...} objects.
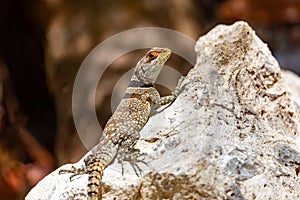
[{"x": 152, "y": 55}]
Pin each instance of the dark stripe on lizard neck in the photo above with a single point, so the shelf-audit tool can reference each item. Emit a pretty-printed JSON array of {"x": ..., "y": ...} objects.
[{"x": 140, "y": 84}]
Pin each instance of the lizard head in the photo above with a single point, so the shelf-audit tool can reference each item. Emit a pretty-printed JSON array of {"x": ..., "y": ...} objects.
[{"x": 149, "y": 67}]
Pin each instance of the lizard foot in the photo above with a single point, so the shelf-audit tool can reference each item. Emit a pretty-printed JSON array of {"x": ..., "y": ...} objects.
[
  {"x": 74, "y": 171},
  {"x": 180, "y": 86},
  {"x": 133, "y": 159}
]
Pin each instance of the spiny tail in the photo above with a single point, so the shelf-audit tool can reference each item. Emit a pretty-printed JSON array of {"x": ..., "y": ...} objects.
[
  {"x": 94, "y": 182},
  {"x": 101, "y": 156}
]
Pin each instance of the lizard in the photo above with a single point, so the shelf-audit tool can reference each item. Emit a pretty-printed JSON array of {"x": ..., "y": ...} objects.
[{"x": 121, "y": 132}]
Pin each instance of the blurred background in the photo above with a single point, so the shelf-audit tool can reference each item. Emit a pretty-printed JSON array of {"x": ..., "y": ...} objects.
[{"x": 43, "y": 43}]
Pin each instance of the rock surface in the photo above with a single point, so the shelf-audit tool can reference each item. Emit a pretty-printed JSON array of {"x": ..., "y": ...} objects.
[{"x": 233, "y": 133}]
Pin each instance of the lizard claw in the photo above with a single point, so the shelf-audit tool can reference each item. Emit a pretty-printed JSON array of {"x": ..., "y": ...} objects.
[
  {"x": 180, "y": 86},
  {"x": 74, "y": 171},
  {"x": 133, "y": 159}
]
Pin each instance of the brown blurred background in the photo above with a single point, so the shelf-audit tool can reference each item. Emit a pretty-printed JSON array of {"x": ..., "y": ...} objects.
[{"x": 43, "y": 43}]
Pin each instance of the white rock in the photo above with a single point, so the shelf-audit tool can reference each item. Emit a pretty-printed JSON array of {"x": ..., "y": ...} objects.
[{"x": 233, "y": 133}]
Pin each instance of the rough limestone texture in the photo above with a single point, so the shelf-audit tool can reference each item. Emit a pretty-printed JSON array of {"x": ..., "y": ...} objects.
[{"x": 233, "y": 133}]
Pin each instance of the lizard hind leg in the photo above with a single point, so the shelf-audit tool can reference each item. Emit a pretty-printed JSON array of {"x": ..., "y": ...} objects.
[{"x": 74, "y": 171}]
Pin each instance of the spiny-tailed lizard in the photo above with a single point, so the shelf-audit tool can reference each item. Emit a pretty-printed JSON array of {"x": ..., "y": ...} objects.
[{"x": 122, "y": 129}]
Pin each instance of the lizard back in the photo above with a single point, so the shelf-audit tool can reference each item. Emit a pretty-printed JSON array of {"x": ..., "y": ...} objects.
[{"x": 130, "y": 116}]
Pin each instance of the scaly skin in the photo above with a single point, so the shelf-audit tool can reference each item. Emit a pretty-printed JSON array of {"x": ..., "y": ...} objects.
[{"x": 122, "y": 129}]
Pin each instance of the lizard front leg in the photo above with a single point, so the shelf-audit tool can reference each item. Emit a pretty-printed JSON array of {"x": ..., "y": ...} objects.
[{"x": 157, "y": 99}]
